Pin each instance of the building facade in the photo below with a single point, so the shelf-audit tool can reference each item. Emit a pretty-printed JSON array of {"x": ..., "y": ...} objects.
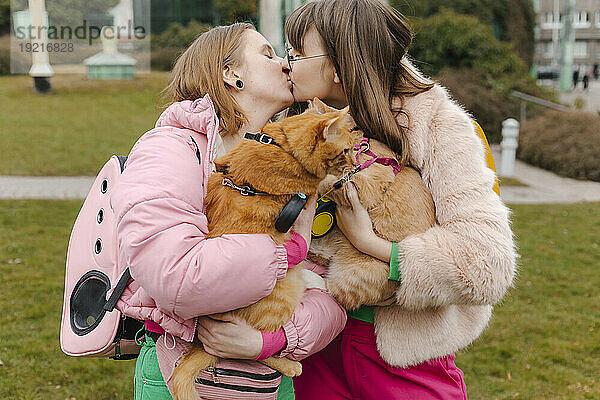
[{"x": 587, "y": 34}]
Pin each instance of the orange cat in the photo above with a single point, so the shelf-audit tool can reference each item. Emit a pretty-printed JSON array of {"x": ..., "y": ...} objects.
[
  {"x": 308, "y": 148},
  {"x": 399, "y": 205}
]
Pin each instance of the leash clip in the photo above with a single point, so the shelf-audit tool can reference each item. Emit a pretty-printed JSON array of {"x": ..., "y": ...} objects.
[
  {"x": 228, "y": 182},
  {"x": 346, "y": 178},
  {"x": 364, "y": 144},
  {"x": 245, "y": 191}
]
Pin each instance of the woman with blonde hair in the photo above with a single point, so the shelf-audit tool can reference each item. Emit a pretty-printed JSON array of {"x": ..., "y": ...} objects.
[
  {"x": 354, "y": 52},
  {"x": 228, "y": 82}
]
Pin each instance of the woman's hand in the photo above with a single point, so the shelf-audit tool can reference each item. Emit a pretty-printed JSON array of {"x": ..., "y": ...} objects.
[
  {"x": 355, "y": 223},
  {"x": 227, "y": 336},
  {"x": 304, "y": 222},
  {"x": 354, "y": 220}
]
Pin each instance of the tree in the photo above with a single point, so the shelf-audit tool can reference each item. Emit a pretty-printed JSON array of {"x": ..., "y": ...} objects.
[
  {"x": 71, "y": 12},
  {"x": 179, "y": 36},
  {"x": 232, "y": 11},
  {"x": 480, "y": 71},
  {"x": 4, "y": 16},
  {"x": 511, "y": 20},
  {"x": 458, "y": 41}
]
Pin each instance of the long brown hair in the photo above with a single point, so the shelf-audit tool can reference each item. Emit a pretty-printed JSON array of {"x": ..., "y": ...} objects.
[
  {"x": 365, "y": 41},
  {"x": 199, "y": 70}
]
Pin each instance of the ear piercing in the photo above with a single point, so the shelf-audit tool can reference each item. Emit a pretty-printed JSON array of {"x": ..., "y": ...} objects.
[{"x": 239, "y": 84}]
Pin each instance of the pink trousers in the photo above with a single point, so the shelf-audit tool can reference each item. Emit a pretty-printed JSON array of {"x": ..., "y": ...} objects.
[{"x": 350, "y": 368}]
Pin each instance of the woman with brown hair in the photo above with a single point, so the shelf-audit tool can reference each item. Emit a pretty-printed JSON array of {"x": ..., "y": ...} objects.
[
  {"x": 354, "y": 52},
  {"x": 228, "y": 82}
]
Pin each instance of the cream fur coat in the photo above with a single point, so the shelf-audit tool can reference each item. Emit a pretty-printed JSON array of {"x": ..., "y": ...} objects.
[{"x": 454, "y": 272}]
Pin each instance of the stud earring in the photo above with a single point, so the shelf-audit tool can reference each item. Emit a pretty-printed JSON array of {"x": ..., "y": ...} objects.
[{"x": 239, "y": 84}]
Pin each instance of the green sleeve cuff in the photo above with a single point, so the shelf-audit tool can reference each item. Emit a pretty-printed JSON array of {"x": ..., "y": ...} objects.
[{"x": 394, "y": 263}]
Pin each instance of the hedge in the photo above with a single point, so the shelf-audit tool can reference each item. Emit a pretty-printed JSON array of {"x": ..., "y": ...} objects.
[
  {"x": 567, "y": 143},
  {"x": 4, "y": 55}
]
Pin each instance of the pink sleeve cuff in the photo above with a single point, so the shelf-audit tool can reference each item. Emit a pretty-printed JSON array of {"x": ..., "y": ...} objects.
[
  {"x": 296, "y": 248},
  {"x": 273, "y": 343}
]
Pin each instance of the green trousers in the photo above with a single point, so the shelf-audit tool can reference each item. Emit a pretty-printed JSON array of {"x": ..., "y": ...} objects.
[
  {"x": 150, "y": 385},
  {"x": 148, "y": 381}
]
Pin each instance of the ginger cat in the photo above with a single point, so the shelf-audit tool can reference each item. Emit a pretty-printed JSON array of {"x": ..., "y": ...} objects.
[
  {"x": 308, "y": 148},
  {"x": 399, "y": 206}
]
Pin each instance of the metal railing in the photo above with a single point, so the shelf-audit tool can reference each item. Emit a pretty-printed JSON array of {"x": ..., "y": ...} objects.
[{"x": 536, "y": 100}]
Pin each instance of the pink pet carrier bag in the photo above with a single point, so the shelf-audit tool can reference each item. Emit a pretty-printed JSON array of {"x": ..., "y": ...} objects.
[{"x": 94, "y": 282}]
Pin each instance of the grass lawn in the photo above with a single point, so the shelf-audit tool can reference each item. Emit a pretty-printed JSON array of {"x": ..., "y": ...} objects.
[
  {"x": 78, "y": 120},
  {"x": 543, "y": 341}
]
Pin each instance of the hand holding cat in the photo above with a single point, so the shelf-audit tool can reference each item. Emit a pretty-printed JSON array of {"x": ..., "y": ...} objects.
[
  {"x": 304, "y": 222},
  {"x": 228, "y": 336},
  {"x": 355, "y": 223}
]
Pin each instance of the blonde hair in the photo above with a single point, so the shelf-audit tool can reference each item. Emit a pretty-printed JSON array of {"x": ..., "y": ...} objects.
[
  {"x": 365, "y": 41},
  {"x": 199, "y": 71}
]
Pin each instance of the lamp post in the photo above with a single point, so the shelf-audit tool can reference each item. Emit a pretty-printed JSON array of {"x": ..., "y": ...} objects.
[
  {"x": 271, "y": 23},
  {"x": 555, "y": 32},
  {"x": 567, "y": 44},
  {"x": 41, "y": 71}
]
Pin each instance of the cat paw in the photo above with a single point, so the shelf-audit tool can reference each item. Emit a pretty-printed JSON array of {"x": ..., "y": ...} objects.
[{"x": 292, "y": 369}]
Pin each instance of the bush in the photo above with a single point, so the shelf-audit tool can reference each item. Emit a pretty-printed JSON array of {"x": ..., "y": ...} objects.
[
  {"x": 488, "y": 107},
  {"x": 4, "y": 55},
  {"x": 232, "y": 11},
  {"x": 567, "y": 143},
  {"x": 164, "y": 59},
  {"x": 489, "y": 100},
  {"x": 4, "y": 16},
  {"x": 179, "y": 36}
]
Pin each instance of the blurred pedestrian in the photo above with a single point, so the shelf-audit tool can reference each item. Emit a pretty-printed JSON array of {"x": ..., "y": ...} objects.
[
  {"x": 586, "y": 81},
  {"x": 575, "y": 78}
]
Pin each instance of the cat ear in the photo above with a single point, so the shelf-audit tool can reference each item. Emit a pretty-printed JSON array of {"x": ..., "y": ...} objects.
[
  {"x": 320, "y": 107},
  {"x": 325, "y": 125}
]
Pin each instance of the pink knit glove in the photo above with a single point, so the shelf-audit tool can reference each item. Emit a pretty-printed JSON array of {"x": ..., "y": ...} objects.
[
  {"x": 273, "y": 343},
  {"x": 296, "y": 248}
]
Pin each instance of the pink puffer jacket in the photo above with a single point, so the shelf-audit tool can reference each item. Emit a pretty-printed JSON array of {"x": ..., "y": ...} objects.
[{"x": 178, "y": 273}]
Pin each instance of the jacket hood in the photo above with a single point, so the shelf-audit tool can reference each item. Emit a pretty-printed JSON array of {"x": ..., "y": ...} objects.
[{"x": 198, "y": 115}]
